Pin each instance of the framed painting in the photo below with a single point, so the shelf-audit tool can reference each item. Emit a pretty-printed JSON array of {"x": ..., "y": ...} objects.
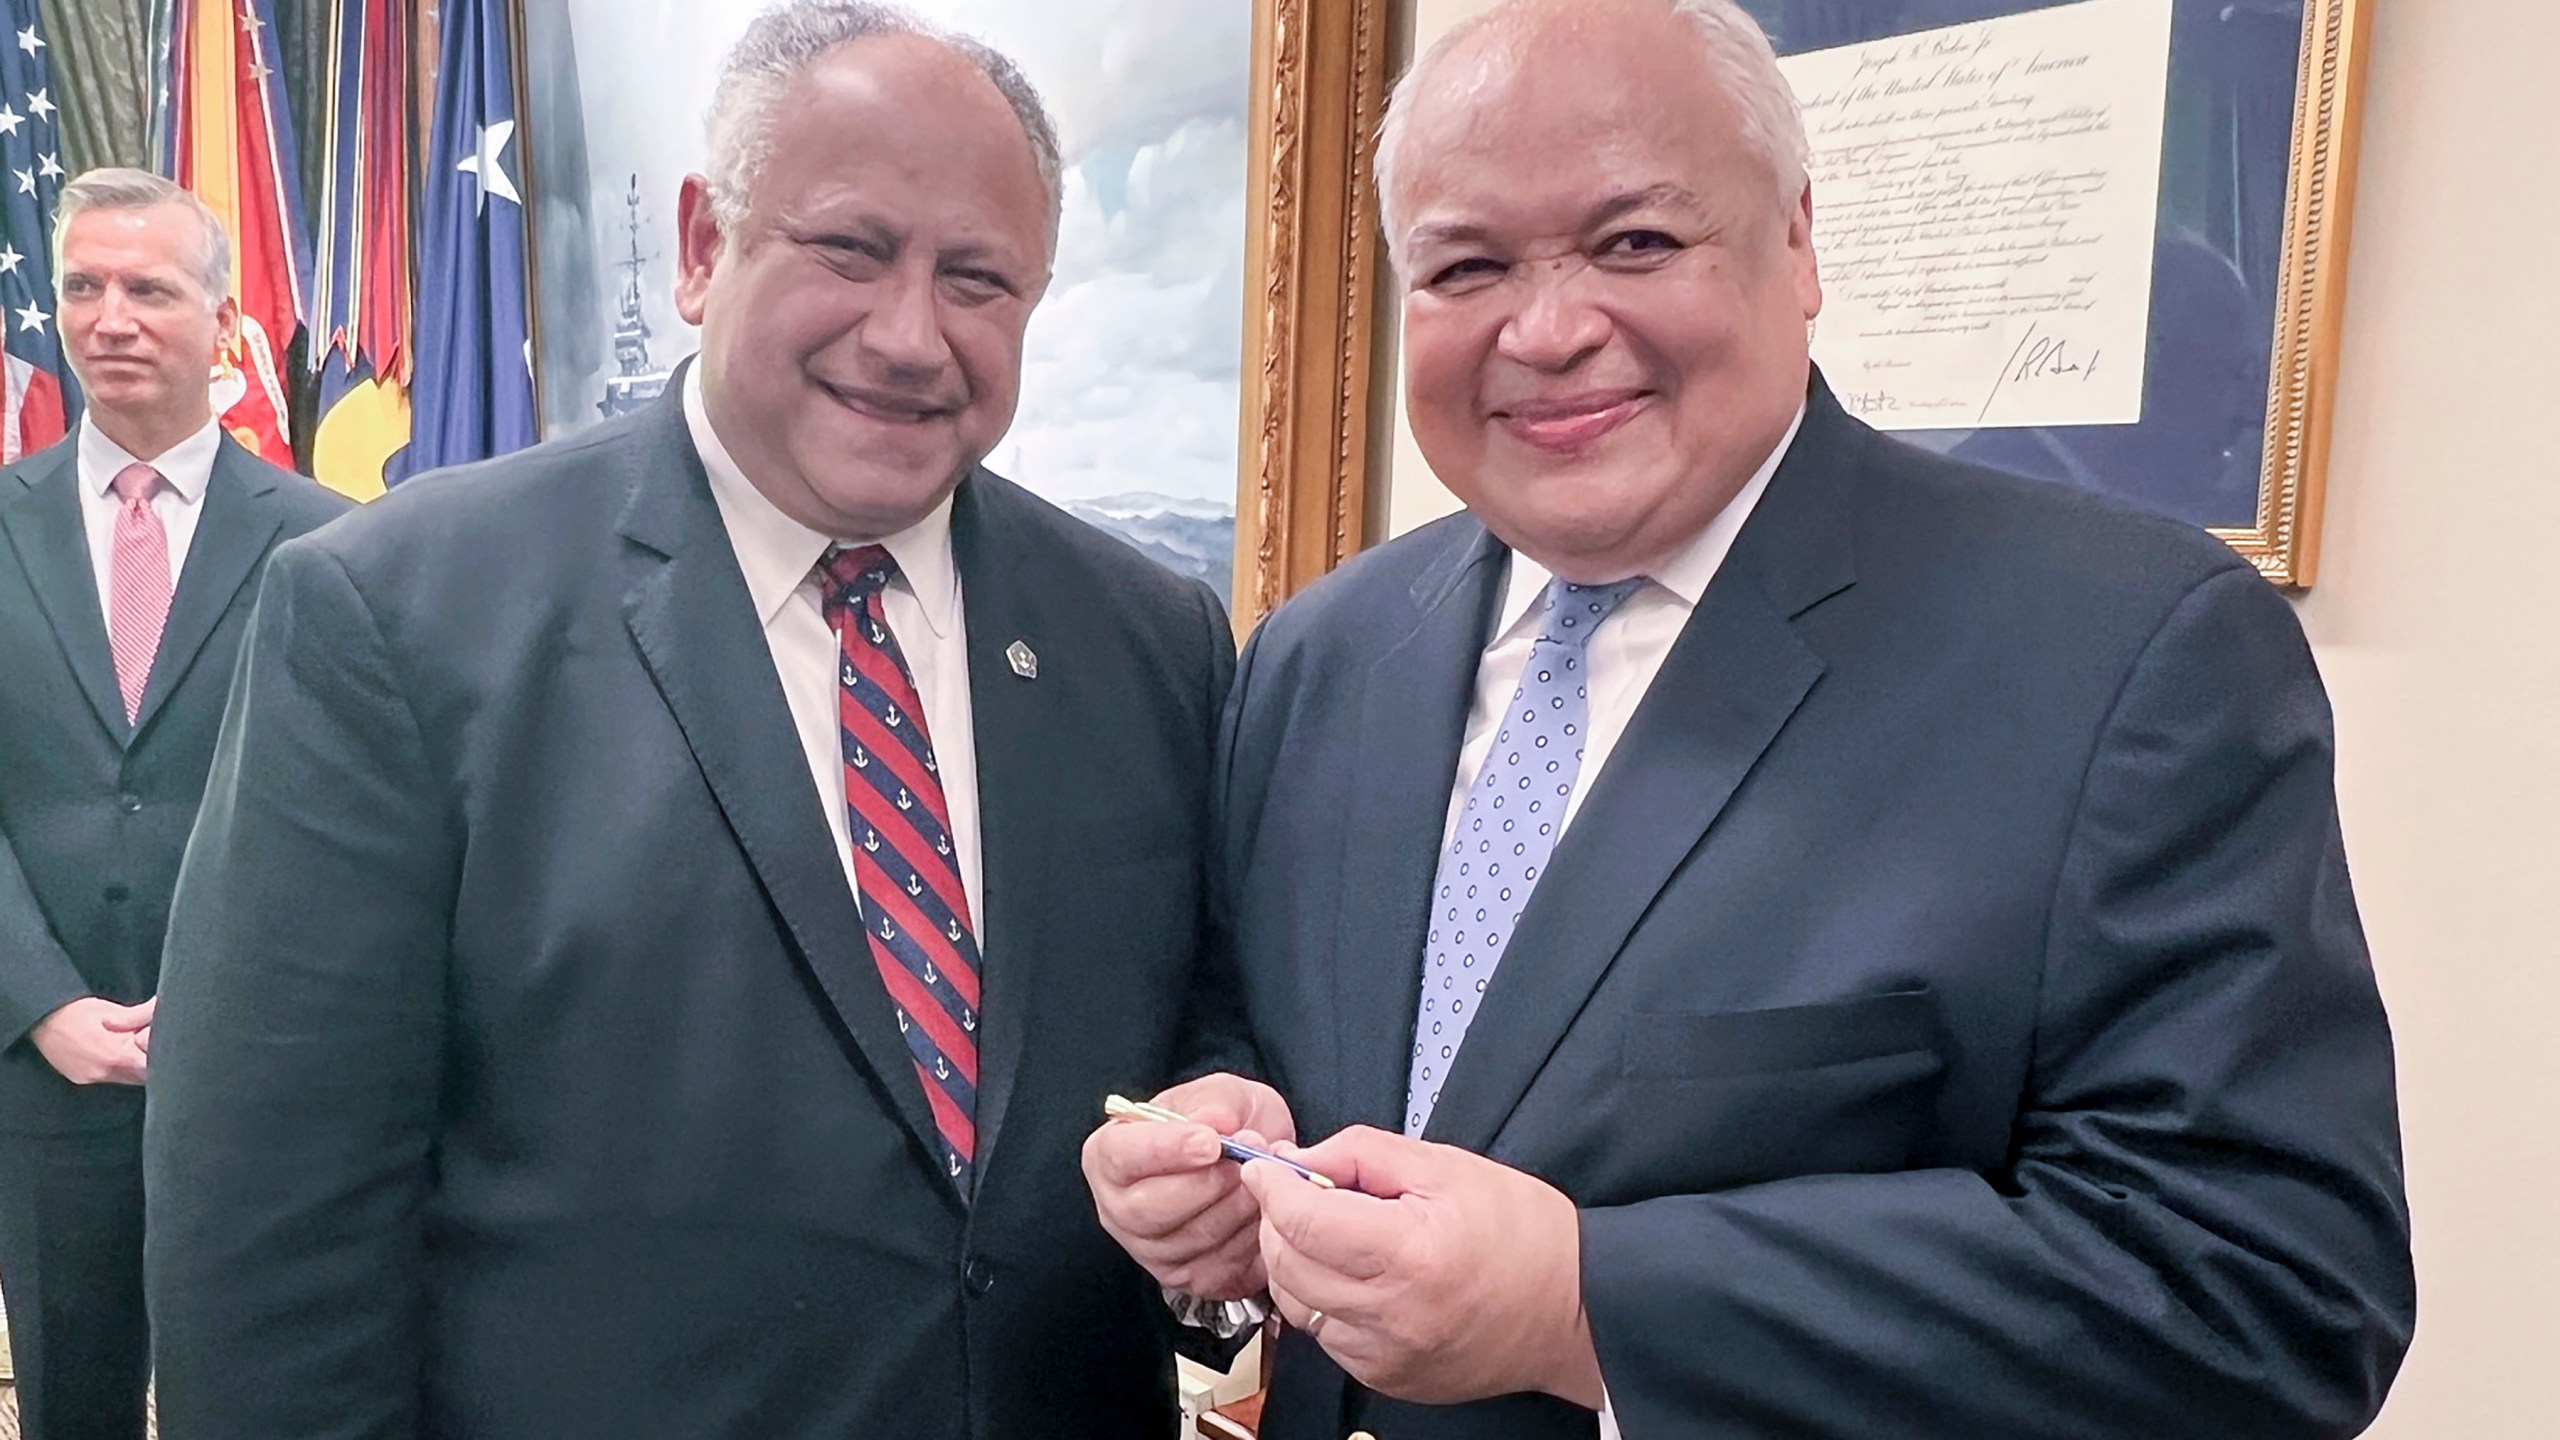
[
  {"x": 1196, "y": 378},
  {"x": 2118, "y": 225}
]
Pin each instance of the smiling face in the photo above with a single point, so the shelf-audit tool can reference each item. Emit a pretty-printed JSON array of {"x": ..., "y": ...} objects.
[
  {"x": 138, "y": 326},
  {"x": 862, "y": 328},
  {"x": 1604, "y": 298}
]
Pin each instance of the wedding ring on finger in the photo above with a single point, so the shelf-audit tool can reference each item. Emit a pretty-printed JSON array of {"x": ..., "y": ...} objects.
[{"x": 1315, "y": 1323}]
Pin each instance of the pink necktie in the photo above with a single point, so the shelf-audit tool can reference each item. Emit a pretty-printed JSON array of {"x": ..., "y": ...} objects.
[{"x": 139, "y": 583}]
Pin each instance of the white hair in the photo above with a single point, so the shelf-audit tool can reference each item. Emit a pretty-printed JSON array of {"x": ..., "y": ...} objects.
[
  {"x": 1740, "y": 64},
  {"x": 787, "y": 39},
  {"x": 114, "y": 188}
]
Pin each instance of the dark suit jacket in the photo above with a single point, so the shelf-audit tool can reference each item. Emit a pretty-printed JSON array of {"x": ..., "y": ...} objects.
[
  {"x": 1947, "y": 1010},
  {"x": 521, "y": 1069},
  {"x": 94, "y": 812}
]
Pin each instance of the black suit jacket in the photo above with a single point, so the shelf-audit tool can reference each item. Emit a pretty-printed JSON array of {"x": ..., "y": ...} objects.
[
  {"x": 1947, "y": 1009},
  {"x": 521, "y": 1067},
  {"x": 94, "y": 812}
]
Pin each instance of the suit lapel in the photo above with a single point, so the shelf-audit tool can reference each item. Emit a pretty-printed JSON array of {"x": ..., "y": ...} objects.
[
  {"x": 1015, "y": 745},
  {"x": 40, "y": 510},
  {"x": 1732, "y": 681},
  {"x": 689, "y": 612},
  {"x": 232, "y": 536},
  {"x": 1413, "y": 718}
]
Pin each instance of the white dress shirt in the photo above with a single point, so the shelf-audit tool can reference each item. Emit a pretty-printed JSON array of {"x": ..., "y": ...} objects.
[
  {"x": 779, "y": 557},
  {"x": 1624, "y": 656},
  {"x": 187, "y": 466}
]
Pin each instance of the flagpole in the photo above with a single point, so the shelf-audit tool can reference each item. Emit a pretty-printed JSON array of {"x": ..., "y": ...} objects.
[{"x": 531, "y": 185}]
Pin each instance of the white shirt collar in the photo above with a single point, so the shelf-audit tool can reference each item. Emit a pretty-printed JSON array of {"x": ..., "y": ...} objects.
[
  {"x": 1687, "y": 572},
  {"x": 187, "y": 465},
  {"x": 778, "y": 554}
]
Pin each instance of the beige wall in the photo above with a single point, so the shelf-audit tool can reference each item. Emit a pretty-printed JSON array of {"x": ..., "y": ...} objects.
[{"x": 2437, "y": 626}]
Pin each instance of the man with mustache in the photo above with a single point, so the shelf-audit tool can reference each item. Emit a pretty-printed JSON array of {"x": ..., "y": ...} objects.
[
  {"x": 1781, "y": 934},
  {"x": 669, "y": 901}
]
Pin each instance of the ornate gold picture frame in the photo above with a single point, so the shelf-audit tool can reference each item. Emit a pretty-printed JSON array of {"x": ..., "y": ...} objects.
[
  {"x": 2284, "y": 542},
  {"x": 1312, "y": 263}
]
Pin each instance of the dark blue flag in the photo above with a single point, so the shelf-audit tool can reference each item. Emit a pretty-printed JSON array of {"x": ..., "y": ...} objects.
[
  {"x": 472, "y": 395},
  {"x": 41, "y": 400}
]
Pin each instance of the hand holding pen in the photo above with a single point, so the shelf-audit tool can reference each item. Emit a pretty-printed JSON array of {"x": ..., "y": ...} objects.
[
  {"x": 1120, "y": 1107},
  {"x": 1166, "y": 1190}
]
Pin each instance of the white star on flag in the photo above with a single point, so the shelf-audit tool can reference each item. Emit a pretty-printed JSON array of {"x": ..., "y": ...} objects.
[
  {"x": 40, "y": 104},
  {"x": 29, "y": 41},
  {"x": 51, "y": 168},
  {"x": 9, "y": 257},
  {"x": 31, "y": 318},
  {"x": 486, "y": 167},
  {"x": 26, "y": 181},
  {"x": 10, "y": 120}
]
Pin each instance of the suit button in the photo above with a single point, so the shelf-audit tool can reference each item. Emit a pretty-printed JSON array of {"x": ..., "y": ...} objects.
[
  {"x": 129, "y": 804},
  {"x": 116, "y": 894},
  {"x": 981, "y": 1277}
]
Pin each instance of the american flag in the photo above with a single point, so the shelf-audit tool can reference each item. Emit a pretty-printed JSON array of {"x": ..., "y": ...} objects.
[{"x": 41, "y": 398}]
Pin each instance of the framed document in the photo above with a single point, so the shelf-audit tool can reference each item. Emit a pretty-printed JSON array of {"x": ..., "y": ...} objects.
[
  {"x": 2099, "y": 242},
  {"x": 1195, "y": 379}
]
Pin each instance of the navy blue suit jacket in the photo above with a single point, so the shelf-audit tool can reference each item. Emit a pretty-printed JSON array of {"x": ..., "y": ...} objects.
[
  {"x": 522, "y": 1070},
  {"x": 94, "y": 811},
  {"x": 1947, "y": 1009}
]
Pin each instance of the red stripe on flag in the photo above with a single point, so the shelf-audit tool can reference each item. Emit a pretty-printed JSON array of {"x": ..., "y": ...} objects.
[{"x": 40, "y": 418}]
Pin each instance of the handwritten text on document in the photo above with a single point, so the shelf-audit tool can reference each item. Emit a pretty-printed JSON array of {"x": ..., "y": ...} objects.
[{"x": 1984, "y": 198}]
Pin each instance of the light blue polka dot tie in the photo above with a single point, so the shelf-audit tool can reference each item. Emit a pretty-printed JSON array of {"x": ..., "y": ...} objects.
[{"x": 1505, "y": 835}]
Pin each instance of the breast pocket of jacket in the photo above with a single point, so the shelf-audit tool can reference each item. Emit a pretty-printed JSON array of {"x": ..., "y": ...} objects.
[{"x": 1736, "y": 1097}]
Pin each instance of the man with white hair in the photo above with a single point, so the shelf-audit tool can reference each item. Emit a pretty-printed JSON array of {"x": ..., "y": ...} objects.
[
  {"x": 670, "y": 900},
  {"x": 1783, "y": 934},
  {"x": 129, "y": 560}
]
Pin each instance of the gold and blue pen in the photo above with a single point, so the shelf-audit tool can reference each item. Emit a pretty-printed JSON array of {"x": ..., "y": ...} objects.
[{"x": 1121, "y": 1107}]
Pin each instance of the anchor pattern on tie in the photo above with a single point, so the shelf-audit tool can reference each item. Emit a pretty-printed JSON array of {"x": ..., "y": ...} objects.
[
  {"x": 1506, "y": 834},
  {"x": 915, "y": 911}
]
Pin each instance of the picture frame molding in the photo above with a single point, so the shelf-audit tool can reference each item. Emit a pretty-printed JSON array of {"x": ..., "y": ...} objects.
[
  {"x": 1313, "y": 262},
  {"x": 2328, "y": 110}
]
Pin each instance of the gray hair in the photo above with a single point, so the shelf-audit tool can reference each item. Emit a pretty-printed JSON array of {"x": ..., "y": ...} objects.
[
  {"x": 791, "y": 36},
  {"x": 114, "y": 188},
  {"x": 1740, "y": 63}
]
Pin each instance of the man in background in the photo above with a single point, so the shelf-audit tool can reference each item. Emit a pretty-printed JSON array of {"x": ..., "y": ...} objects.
[
  {"x": 1784, "y": 935},
  {"x": 670, "y": 901},
  {"x": 131, "y": 561}
]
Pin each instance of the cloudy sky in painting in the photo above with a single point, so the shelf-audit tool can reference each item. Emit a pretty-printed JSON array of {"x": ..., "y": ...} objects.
[{"x": 1131, "y": 367}]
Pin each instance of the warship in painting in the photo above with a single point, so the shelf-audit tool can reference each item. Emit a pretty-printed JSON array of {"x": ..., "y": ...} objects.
[{"x": 637, "y": 382}]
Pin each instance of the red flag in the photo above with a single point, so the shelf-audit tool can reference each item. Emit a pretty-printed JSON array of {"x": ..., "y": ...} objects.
[
  {"x": 34, "y": 416},
  {"x": 231, "y": 142}
]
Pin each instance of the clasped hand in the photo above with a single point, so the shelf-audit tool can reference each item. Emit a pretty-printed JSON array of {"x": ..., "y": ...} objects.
[{"x": 94, "y": 1041}]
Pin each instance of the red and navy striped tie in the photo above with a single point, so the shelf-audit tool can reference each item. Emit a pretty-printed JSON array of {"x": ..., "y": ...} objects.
[{"x": 905, "y": 864}]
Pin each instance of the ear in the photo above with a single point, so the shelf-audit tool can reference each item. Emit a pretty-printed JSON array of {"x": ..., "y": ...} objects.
[
  {"x": 698, "y": 243},
  {"x": 1801, "y": 264},
  {"x": 226, "y": 319}
]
